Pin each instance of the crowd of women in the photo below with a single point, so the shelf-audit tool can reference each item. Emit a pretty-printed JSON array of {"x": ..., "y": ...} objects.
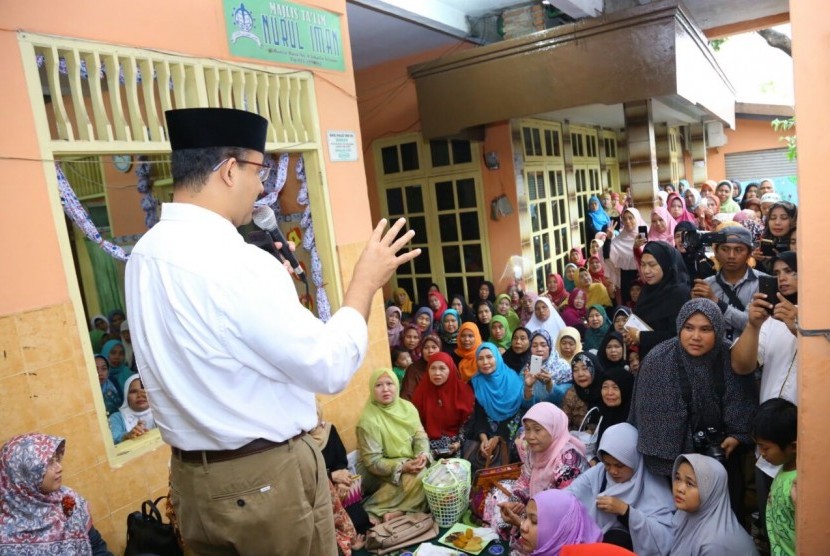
[
  {"x": 618, "y": 344},
  {"x": 620, "y": 337},
  {"x": 125, "y": 401}
]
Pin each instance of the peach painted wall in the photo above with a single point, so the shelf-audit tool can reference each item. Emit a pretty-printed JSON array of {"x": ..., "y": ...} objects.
[
  {"x": 46, "y": 367},
  {"x": 748, "y": 135},
  {"x": 811, "y": 34},
  {"x": 505, "y": 239}
]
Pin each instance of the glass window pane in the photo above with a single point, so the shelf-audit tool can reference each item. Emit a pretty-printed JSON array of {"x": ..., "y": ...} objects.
[
  {"x": 531, "y": 186},
  {"x": 466, "y": 190},
  {"x": 455, "y": 284},
  {"x": 390, "y": 159},
  {"x": 557, "y": 243},
  {"x": 448, "y": 228},
  {"x": 548, "y": 142},
  {"x": 423, "y": 286},
  {"x": 421, "y": 262},
  {"x": 537, "y": 142},
  {"x": 452, "y": 259},
  {"x": 557, "y": 144},
  {"x": 540, "y": 181},
  {"x": 418, "y": 223},
  {"x": 443, "y": 195},
  {"x": 537, "y": 249},
  {"x": 409, "y": 156},
  {"x": 540, "y": 279},
  {"x": 543, "y": 215},
  {"x": 462, "y": 152},
  {"x": 473, "y": 282},
  {"x": 440, "y": 152},
  {"x": 546, "y": 245},
  {"x": 528, "y": 141},
  {"x": 534, "y": 217},
  {"x": 394, "y": 202},
  {"x": 414, "y": 199},
  {"x": 472, "y": 258},
  {"x": 405, "y": 269},
  {"x": 469, "y": 226},
  {"x": 562, "y": 211}
]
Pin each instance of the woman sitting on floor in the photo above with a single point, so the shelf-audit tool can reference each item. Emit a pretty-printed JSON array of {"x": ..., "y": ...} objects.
[
  {"x": 38, "y": 515},
  {"x": 551, "y": 458},
  {"x": 350, "y": 522},
  {"x": 632, "y": 507},
  {"x": 394, "y": 450},
  {"x": 497, "y": 412},
  {"x": 444, "y": 403}
]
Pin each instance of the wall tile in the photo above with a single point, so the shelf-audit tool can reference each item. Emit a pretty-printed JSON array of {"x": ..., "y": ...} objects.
[
  {"x": 46, "y": 336},
  {"x": 88, "y": 482},
  {"x": 17, "y": 415},
  {"x": 11, "y": 358},
  {"x": 56, "y": 393},
  {"x": 81, "y": 443},
  {"x": 126, "y": 486}
]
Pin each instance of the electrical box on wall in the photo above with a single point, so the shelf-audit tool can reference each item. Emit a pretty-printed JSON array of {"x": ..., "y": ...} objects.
[{"x": 715, "y": 137}]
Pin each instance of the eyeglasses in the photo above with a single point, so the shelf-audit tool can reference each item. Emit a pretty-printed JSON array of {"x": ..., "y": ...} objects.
[{"x": 262, "y": 174}]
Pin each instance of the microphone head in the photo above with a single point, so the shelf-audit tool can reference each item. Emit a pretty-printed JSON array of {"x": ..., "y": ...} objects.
[{"x": 264, "y": 218}]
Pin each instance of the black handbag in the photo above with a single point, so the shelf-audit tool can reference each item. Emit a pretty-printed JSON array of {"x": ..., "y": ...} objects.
[{"x": 148, "y": 534}]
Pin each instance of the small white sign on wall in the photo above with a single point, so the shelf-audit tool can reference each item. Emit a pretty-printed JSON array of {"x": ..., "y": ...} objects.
[{"x": 342, "y": 146}]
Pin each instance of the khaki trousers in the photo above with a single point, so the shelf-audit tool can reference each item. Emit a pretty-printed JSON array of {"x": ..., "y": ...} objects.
[{"x": 276, "y": 502}]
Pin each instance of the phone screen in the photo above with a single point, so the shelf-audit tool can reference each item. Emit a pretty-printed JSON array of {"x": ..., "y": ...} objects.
[
  {"x": 535, "y": 364},
  {"x": 768, "y": 247},
  {"x": 643, "y": 231},
  {"x": 769, "y": 286}
]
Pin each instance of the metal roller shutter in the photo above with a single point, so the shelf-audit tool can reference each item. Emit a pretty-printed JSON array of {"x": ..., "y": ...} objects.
[{"x": 759, "y": 164}]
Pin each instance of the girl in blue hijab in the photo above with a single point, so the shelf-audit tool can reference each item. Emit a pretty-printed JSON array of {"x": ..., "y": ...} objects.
[
  {"x": 598, "y": 220},
  {"x": 113, "y": 351}
]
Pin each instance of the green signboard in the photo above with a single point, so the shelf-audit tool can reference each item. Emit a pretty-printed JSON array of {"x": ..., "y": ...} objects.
[{"x": 279, "y": 31}]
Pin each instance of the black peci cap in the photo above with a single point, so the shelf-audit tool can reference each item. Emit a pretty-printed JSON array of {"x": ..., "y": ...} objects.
[{"x": 203, "y": 128}]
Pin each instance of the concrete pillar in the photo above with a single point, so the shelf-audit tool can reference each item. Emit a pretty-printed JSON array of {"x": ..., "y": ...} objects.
[
  {"x": 642, "y": 154},
  {"x": 811, "y": 34},
  {"x": 661, "y": 142},
  {"x": 699, "y": 170}
]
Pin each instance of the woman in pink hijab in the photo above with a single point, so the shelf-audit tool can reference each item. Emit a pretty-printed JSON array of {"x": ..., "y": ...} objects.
[
  {"x": 677, "y": 208},
  {"x": 662, "y": 226}
]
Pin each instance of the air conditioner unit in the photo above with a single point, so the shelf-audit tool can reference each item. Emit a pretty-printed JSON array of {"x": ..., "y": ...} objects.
[{"x": 715, "y": 137}]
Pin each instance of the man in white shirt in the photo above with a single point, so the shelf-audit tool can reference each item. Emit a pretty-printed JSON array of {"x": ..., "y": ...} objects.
[
  {"x": 229, "y": 357},
  {"x": 772, "y": 344}
]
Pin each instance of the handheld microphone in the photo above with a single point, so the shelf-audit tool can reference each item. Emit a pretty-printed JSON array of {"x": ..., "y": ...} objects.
[{"x": 266, "y": 220}]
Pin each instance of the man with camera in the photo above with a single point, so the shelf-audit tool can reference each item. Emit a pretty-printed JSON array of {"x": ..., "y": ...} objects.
[
  {"x": 771, "y": 343},
  {"x": 734, "y": 285}
]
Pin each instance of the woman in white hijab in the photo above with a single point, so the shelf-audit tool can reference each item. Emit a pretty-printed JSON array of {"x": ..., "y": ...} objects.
[
  {"x": 704, "y": 522},
  {"x": 134, "y": 417},
  {"x": 624, "y": 498},
  {"x": 545, "y": 317},
  {"x": 621, "y": 266}
]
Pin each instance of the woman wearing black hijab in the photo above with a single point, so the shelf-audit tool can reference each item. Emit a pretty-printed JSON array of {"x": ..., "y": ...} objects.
[
  {"x": 586, "y": 391},
  {"x": 616, "y": 392},
  {"x": 615, "y": 357},
  {"x": 517, "y": 357},
  {"x": 665, "y": 291},
  {"x": 486, "y": 292}
]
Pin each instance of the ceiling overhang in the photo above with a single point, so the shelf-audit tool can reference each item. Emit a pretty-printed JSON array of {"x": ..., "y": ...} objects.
[{"x": 653, "y": 51}]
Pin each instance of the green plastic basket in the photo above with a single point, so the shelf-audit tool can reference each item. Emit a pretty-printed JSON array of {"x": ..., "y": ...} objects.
[{"x": 448, "y": 501}]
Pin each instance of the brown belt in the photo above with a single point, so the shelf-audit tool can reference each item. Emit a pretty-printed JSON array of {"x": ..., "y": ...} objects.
[{"x": 213, "y": 456}]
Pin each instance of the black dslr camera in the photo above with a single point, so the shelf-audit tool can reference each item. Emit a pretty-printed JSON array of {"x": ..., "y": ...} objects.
[
  {"x": 707, "y": 442},
  {"x": 695, "y": 243}
]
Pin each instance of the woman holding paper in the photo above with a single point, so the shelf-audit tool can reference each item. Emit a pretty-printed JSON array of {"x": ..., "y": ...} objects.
[{"x": 664, "y": 293}]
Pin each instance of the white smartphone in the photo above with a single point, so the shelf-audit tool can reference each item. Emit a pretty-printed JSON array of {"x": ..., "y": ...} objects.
[{"x": 535, "y": 364}]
